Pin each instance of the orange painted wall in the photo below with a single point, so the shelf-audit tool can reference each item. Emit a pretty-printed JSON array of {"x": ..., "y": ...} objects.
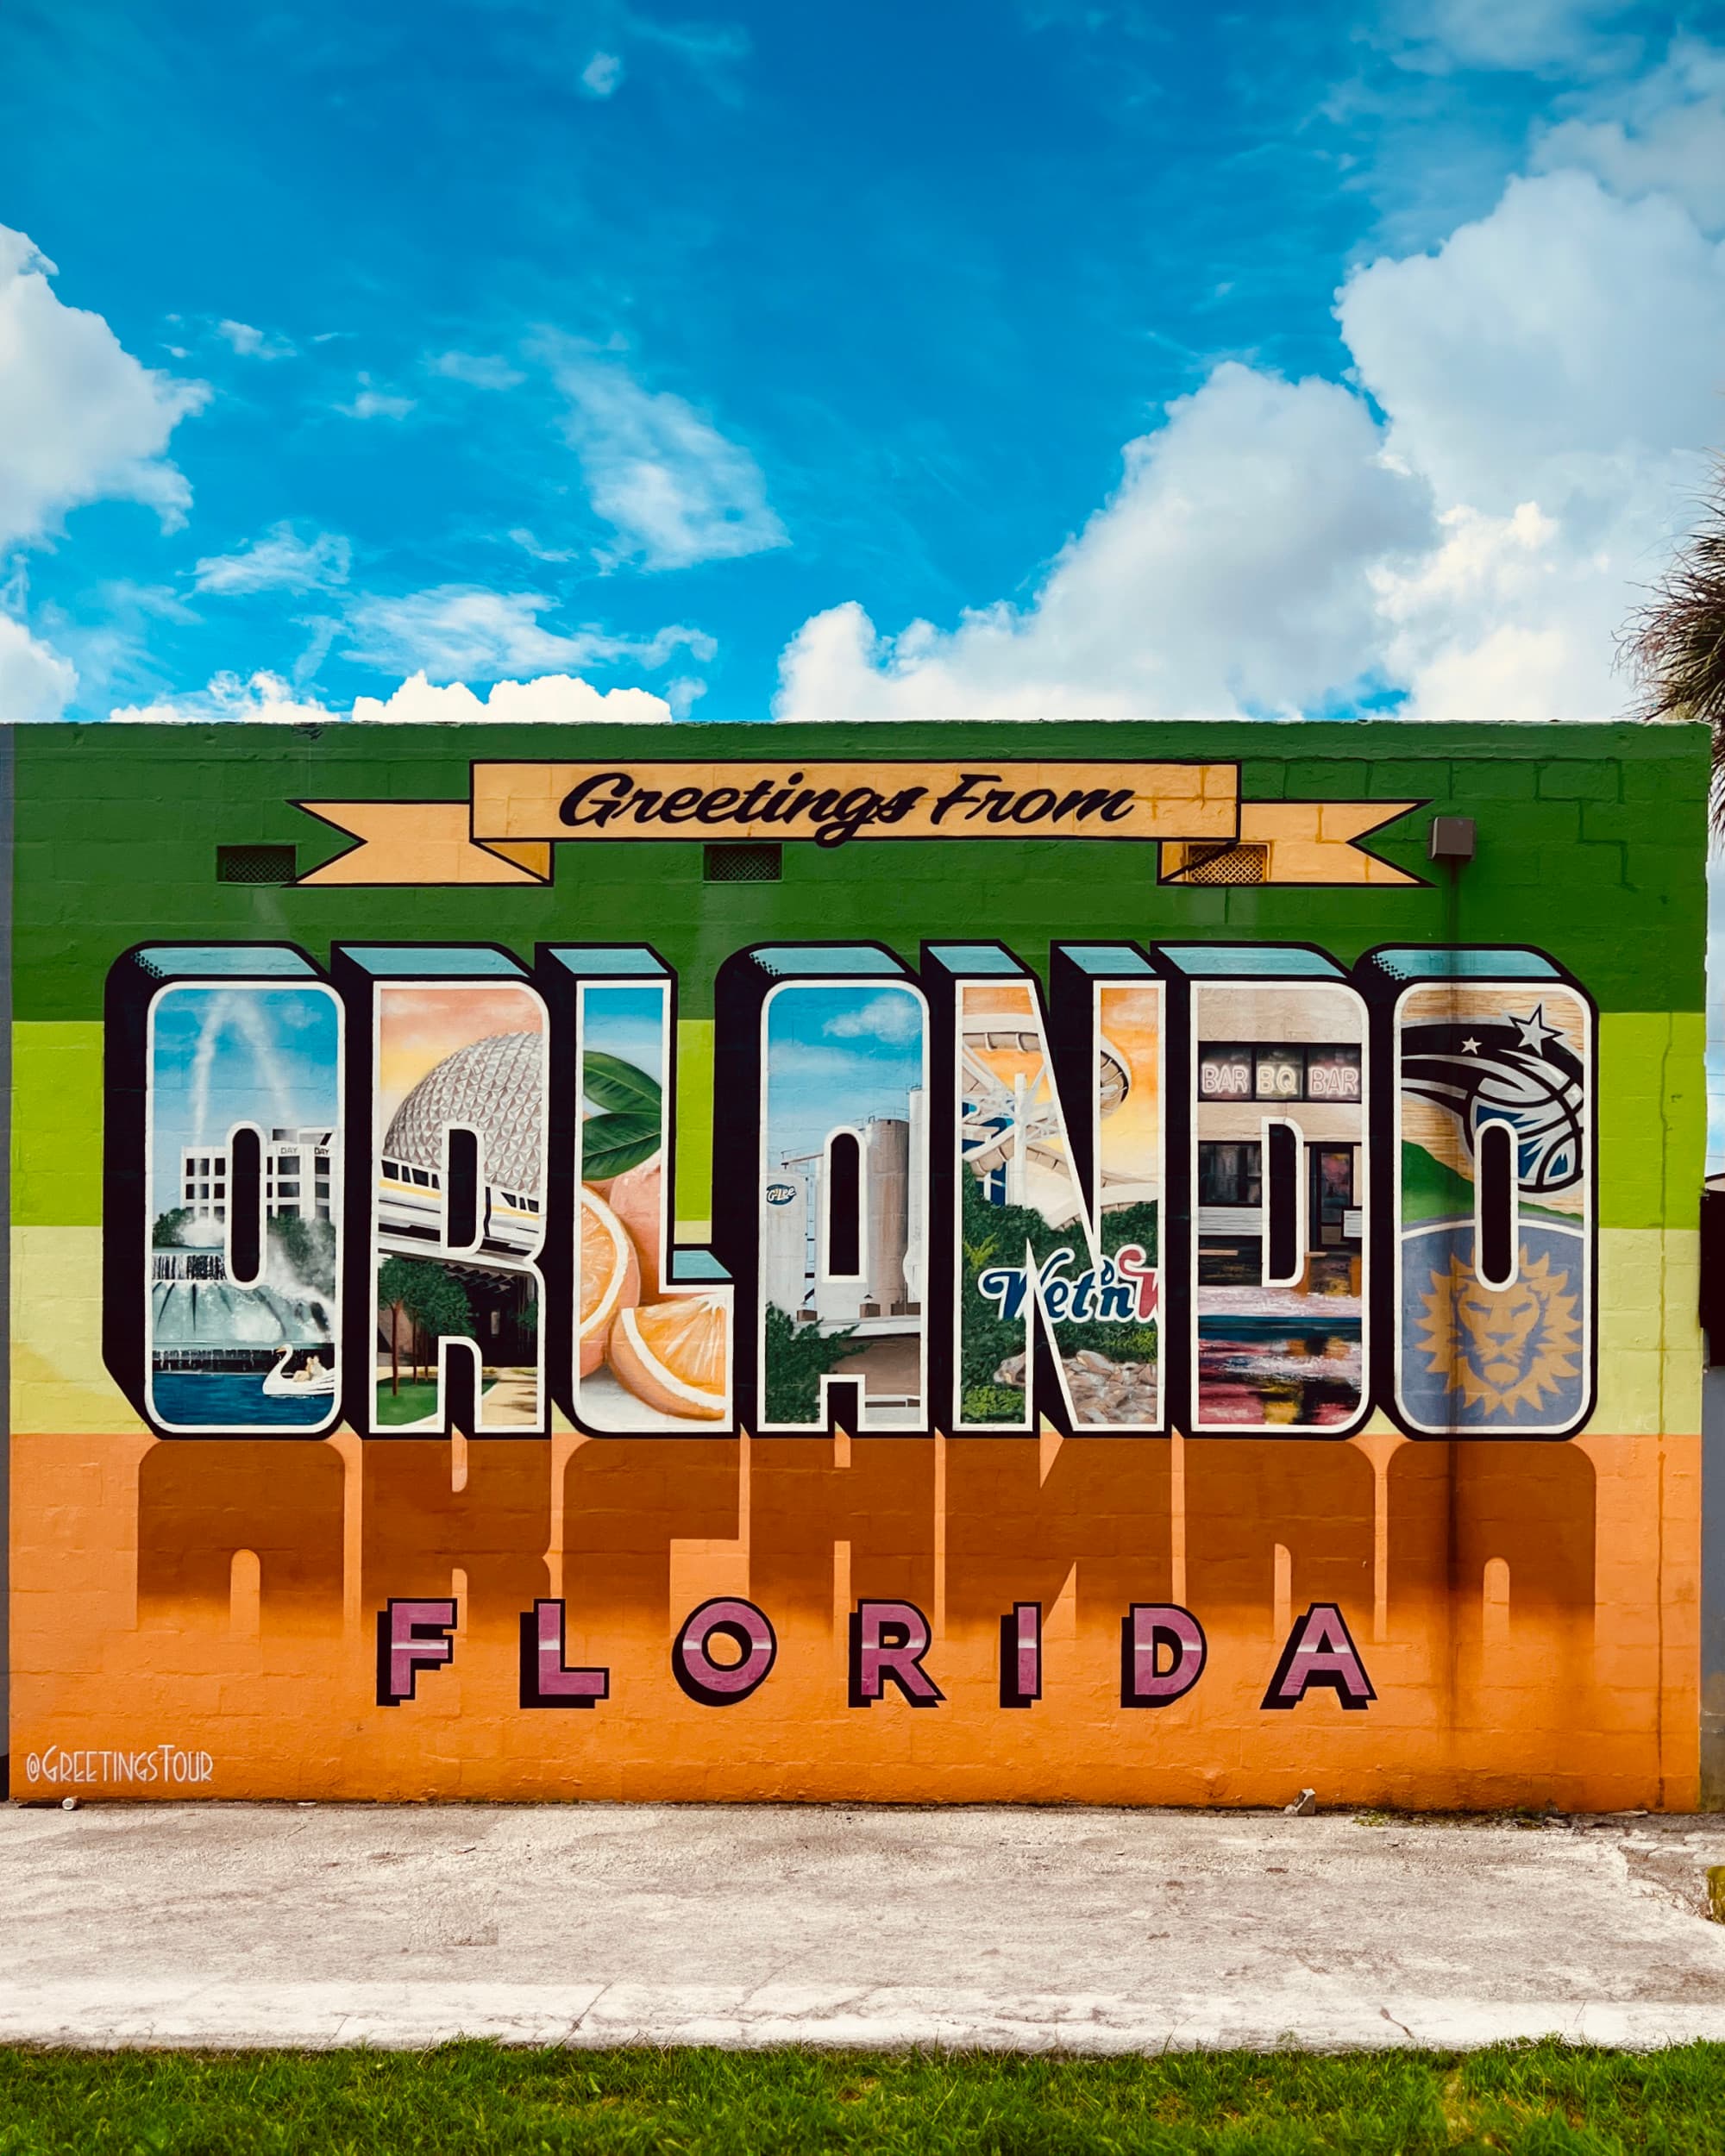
[{"x": 138, "y": 1625}]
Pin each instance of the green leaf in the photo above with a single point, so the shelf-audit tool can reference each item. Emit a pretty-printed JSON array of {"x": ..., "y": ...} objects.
[
  {"x": 610, "y": 1144},
  {"x": 609, "y": 1082}
]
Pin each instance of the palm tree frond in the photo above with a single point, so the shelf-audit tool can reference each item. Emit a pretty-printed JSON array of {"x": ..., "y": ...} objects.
[{"x": 1674, "y": 645}]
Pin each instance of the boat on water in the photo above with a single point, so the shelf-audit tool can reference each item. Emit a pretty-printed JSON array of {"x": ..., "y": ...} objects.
[{"x": 317, "y": 1380}]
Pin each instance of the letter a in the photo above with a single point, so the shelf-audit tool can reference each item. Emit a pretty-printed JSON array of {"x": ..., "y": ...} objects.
[{"x": 1319, "y": 1651}]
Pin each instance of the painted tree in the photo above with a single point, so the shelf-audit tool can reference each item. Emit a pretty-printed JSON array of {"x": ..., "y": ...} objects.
[
  {"x": 169, "y": 1232},
  {"x": 1675, "y": 644},
  {"x": 420, "y": 1296}
]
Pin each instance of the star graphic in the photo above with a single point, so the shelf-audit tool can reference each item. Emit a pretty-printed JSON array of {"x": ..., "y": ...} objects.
[
  {"x": 1469, "y": 1046},
  {"x": 1534, "y": 1030}
]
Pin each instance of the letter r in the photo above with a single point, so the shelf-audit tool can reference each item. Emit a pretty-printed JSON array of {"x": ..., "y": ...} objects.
[{"x": 887, "y": 1643}]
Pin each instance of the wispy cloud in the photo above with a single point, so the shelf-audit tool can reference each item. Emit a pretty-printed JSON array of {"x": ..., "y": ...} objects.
[
  {"x": 671, "y": 485},
  {"x": 1514, "y": 36},
  {"x": 280, "y": 561},
  {"x": 602, "y": 74},
  {"x": 895, "y": 1016},
  {"x": 461, "y": 632},
  {"x": 704, "y": 45},
  {"x": 252, "y": 343},
  {"x": 522, "y": 537},
  {"x": 479, "y": 370},
  {"x": 369, "y": 402}
]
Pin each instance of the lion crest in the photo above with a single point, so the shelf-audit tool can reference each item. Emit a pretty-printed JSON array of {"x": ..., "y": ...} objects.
[{"x": 1502, "y": 1348}]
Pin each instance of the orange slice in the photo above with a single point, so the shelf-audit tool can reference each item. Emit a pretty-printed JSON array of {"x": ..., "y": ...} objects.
[
  {"x": 672, "y": 1355},
  {"x": 611, "y": 1278}
]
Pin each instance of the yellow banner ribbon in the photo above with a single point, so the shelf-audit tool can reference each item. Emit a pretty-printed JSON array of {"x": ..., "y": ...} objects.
[{"x": 517, "y": 812}]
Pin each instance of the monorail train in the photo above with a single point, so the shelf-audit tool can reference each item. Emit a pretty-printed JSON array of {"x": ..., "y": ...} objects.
[{"x": 409, "y": 1214}]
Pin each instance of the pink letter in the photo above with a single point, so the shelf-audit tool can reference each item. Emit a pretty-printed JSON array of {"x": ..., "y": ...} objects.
[
  {"x": 1149, "y": 1629},
  {"x": 888, "y": 1640},
  {"x": 723, "y": 1683},
  {"x": 411, "y": 1633},
  {"x": 1021, "y": 1655},
  {"x": 1319, "y": 1651},
  {"x": 545, "y": 1681}
]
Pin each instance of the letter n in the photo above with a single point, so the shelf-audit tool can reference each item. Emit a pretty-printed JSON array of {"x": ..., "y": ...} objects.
[{"x": 1037, "y": 1176}]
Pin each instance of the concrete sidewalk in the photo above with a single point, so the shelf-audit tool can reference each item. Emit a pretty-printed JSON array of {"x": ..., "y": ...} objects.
[{"x": 1079, "y": 1930}]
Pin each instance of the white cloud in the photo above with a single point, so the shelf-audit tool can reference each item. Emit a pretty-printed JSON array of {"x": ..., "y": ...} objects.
[
  {"x": 663, "y": 476},
  {"x": 1663, "y": 132},
  {"x": 82, "y": 420},
  {"x": 552, "y": 700},
  {"x": 479, "y": 370},
  {"x": 280, "y": 561},
  {"x": 1554, "y": 370},
  {"x": 894, "y": 1016},
  {"x": 602, "y": 74},
  {"x": 1564, "y": 328},
  {"x": 229, "y": 696},
  {"x": 455, "y": 632},
  {"x": 35, "y": 682},
  {"x": 1546, "y": 379},
  {"x": 528, "y": 543},
  {"x": 1535, "y": 36},
  {"x": 1231, "y": 570},
  {"x": 369, "y": 402},
  {"x": 255, "y": 344}
]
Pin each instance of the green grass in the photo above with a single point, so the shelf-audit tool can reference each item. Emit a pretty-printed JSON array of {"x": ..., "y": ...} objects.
[
  {"x": 416, "y": 1399},
  {"x": 1544, "y": 2099}
]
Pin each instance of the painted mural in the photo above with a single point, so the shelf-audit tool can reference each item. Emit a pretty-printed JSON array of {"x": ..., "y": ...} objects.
[
  {"x": 652, "y": 1332},
  {"x": 251, "y": 1345},
  {"x": 1030, "y": 1149},
  {"x": 1045, "y": 1252},
  {"x": 1494, "y": 1251},
  {"x": 1280, "y": 1294},
  {"x": 785, "y": 1270},
  {"x": 460, "y": 1079},
  {"x": 844, "y": 1252}
]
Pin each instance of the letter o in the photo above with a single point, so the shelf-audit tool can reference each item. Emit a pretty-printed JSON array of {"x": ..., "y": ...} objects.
[{"x": 724, "y": 1683}]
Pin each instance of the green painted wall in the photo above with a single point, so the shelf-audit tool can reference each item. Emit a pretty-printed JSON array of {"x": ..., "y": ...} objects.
[{"x": 1591, "y": 844}]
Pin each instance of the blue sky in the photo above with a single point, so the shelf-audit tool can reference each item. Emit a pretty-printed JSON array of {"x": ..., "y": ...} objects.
[
  {"x": 229, "y": 1055},
  {"x": 628, "y": 1022},
  {"x": 980, "y": 359},
  {"x": 837, "y": 1056}
]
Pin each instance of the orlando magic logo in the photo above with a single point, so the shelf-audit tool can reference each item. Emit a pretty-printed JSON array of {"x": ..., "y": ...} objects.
[{"x": 1513, "y": 1070}]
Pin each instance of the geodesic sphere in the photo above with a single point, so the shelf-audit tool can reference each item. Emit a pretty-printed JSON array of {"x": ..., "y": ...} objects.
[{"x": 491, "y": 1086}]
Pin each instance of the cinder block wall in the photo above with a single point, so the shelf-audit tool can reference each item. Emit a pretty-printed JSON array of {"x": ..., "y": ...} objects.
[{"x": 199, "y": 1616}]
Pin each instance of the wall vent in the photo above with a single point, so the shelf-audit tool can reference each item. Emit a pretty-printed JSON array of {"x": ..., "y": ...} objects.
[
  {"x": 751, "y": 863},
  {"x": 256, "y": 864}
]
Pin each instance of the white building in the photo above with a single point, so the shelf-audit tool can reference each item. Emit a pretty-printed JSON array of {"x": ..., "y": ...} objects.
[{"x": 297, "y": 1176}]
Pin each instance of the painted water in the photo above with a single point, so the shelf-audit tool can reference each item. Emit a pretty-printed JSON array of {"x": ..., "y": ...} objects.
[
  {"x": 201, "y": 1400},
  {"x": 194, "y": 1307}
]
